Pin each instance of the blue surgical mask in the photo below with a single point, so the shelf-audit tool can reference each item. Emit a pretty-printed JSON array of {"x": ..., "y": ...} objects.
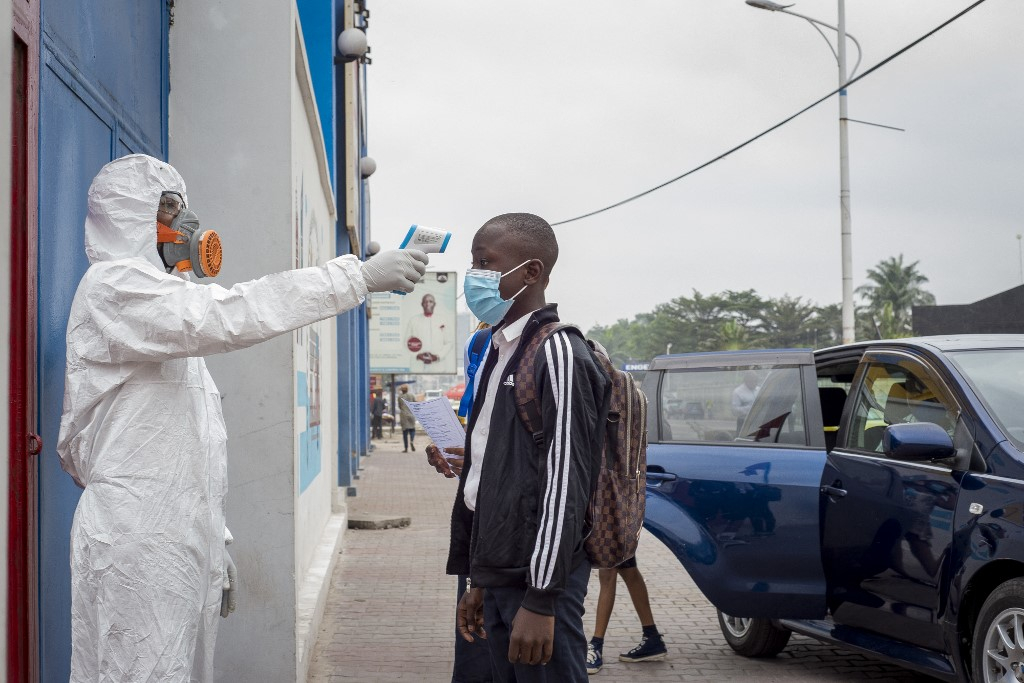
[{"x": 484, "y": 298}]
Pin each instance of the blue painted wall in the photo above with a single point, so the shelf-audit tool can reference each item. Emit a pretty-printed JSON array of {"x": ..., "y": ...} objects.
[
  {"x": 319, "y": 35},
  {"x": 321, "y": 22},
  {"x": 103, "y": 94}
]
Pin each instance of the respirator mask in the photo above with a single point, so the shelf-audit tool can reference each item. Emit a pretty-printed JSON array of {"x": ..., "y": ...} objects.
[{"x": 182, "y": 244}]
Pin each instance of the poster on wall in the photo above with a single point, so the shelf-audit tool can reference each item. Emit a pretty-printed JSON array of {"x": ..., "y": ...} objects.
[
  {"x": 311, "y": 247},
  {"x": 415, "y": 333}
]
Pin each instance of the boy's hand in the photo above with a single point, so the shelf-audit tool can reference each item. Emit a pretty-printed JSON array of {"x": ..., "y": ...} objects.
[
  {"x": 470, "y": 614},
  {"x": 438, "y": 462},
  {"x": 455, "y": 457},
  {"x": 533, "y": 638}
]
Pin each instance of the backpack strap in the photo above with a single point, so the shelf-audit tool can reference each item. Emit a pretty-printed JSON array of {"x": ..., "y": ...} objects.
[
  {"x": 477, "y": 345},
  {"x": 526, "y": 391},
  {"x": 613, "y": 423}
]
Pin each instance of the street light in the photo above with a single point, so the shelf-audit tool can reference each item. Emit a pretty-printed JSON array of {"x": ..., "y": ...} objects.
[{"x": 844, "y": 153}]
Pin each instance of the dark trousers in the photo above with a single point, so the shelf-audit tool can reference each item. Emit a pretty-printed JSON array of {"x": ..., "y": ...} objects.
[
  {"x": 407, "y": 436},
  {"x": 568, "y": 663},
  {"x": 377, "y": 426},
  {"x": 472, "y": 660}
]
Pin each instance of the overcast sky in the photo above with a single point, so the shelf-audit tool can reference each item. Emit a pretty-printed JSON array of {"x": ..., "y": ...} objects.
[{"x": 479, "y": 107}]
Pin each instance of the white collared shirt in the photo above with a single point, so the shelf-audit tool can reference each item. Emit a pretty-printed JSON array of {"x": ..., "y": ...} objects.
[{"x": 504, "y": 342}]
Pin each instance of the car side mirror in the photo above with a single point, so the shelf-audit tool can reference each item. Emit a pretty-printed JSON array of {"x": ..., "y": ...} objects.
[{"x": 917, "y": 441}]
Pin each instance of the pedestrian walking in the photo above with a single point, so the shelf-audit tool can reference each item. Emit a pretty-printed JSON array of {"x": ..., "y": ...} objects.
[{"x": 407, "y": 419}]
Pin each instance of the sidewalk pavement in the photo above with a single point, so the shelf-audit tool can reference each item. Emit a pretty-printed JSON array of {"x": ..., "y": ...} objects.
[{"x": 390, "y": 612}]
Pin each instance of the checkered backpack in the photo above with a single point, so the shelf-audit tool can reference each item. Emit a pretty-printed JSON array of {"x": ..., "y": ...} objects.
[{"x": 616, "y": 512}]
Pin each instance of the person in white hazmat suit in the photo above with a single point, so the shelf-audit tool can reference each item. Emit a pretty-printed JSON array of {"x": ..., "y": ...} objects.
[{"x": 142, "y": 430}]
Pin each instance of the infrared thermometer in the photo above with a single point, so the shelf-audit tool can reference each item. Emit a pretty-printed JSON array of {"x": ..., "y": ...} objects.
[{"x": 429, "y": 240}]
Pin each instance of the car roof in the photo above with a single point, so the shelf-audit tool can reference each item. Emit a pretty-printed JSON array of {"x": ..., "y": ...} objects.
[
  {"x": 953, "y": 342},
  {"x": 939, "y": 343},
  {"x": 742, "y": 358}
]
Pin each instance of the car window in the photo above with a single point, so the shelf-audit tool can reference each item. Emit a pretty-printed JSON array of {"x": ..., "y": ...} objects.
[
  {"x": 762, "y": 403},
  {"x": 897, "y": 392},
  {"x": 997, "y": 376}
]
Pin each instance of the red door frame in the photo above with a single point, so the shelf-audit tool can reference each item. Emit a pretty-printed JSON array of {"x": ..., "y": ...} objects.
[{"x": 22, "y": 611}]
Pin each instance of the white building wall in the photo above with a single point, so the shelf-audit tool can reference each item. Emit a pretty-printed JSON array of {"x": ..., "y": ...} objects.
[
  {"x": 242, "y": 135},
  {"x": 318, "y": 528},
  {"x": 5, "y": 262}
]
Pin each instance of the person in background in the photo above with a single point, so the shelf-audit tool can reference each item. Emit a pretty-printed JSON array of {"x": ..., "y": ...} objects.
[
  {"x": 652, "y": 646},
  {"x": 407, "y": 419},
  {"x": 377, "y": 406},
  {"x": 743, "y": 397}
]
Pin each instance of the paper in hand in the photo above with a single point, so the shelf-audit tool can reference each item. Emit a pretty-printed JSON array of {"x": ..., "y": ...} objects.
[{"x": 439, "y": 421}]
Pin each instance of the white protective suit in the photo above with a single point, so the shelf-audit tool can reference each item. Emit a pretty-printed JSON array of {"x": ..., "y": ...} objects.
[{"x": 143, "y": 433}]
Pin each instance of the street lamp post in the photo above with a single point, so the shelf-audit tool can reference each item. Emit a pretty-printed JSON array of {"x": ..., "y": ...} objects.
[{"x": 844, "y": 150}]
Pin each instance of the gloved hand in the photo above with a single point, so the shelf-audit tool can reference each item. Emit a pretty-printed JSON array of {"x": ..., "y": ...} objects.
[
  {"x": 227, "y": 600},
  {"x": 398, "y": 269}
]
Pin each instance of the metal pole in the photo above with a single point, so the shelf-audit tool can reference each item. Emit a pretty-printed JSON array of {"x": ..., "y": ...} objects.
[{"x": 844, "y": 186}]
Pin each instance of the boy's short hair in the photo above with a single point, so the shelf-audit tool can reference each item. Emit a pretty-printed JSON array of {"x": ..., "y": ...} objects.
[{"x": 533, "y": 233}]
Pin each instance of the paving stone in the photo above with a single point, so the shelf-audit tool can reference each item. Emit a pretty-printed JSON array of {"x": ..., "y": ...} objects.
[{"x": 390, "y": 614}]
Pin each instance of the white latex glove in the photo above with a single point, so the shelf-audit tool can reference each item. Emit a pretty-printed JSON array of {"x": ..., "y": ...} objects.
[
  {"x": 398, "y": 269},
  {"x": 227, "y": 600}
]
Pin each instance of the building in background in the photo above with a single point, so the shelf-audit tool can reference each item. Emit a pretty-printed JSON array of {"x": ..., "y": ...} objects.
[
  {"x": 1001, "y": 313},
  {"x": 269, "y": 133}
]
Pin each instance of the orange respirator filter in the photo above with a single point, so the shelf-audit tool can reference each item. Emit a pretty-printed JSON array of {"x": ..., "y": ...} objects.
[{"x": 184, "y": 246}]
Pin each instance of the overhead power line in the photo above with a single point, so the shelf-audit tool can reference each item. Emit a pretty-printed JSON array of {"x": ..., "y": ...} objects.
[{"x": 778, "y": 125}]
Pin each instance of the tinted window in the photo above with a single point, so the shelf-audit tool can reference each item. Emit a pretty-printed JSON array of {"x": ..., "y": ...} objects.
[
  {"x": 747, "y": 403},
  {"x": 894, "y": 393},
  {"x": 998, "y": 378}
]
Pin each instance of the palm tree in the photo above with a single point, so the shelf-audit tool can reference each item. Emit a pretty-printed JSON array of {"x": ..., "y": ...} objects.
[{"x": 899, "y": 286}]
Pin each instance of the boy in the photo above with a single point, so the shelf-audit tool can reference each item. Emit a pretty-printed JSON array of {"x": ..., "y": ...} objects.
[{"x": 519, "y": 517}]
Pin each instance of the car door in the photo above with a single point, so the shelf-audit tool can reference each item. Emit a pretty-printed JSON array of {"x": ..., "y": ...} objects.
[
  {"x": 888, "y": 523},
  {"x": 732, "y": 489}
]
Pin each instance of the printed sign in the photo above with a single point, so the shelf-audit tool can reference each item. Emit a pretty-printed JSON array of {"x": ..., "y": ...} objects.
[{"x": 415, "y": 333}]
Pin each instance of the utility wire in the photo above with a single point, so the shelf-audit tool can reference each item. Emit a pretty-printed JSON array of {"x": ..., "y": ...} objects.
[{"x": 778, "y": 125}]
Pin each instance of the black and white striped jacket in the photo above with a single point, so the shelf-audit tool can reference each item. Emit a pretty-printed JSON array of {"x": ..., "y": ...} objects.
[{"x": 530, "y": 518}]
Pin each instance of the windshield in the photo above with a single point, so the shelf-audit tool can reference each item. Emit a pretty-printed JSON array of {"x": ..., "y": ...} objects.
[{"x": 998, "y": 378}]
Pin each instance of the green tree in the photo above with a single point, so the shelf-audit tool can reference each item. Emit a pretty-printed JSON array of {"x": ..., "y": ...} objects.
[
  {"x": 789, "y": 322},
  {"x": 828, "y": 326},
  {"x": 900, "y": 286}
]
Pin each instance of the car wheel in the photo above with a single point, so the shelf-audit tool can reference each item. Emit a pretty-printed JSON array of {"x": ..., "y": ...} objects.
[
  {"x": 753, "y": 637},
  {"x": 999, "y": 635}
]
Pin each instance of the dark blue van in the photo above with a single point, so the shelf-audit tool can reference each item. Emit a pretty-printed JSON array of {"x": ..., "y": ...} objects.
[{"x": 869, "y": 495}]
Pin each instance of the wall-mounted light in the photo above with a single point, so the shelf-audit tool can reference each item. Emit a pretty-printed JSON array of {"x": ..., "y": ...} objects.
[
  {"x": 367, "y": 166},
  {"x": 351, "y": 45}
]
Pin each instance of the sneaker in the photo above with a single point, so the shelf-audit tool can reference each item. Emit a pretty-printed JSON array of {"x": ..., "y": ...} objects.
[
  {"x": 648, "y": 650},
  {"x": 594, "y": 661}
]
